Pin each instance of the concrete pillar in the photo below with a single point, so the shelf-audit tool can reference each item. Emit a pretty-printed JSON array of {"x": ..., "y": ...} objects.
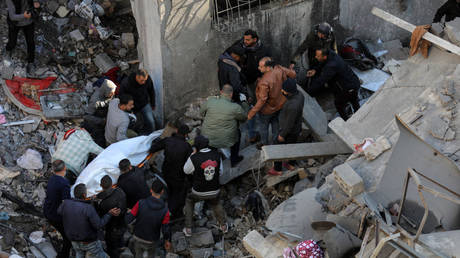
[{"x": 148, "y": 24}]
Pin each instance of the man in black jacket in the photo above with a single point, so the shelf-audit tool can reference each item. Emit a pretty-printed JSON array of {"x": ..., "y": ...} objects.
[
  {"x": 140, "y": 86},
  {"x": 81, "y": 223},
  {"x": 334, "y": 71},
  {"x": 229, "y": 71},
  {"x": 451, "y": 9},
  {"x": 151, "y": 215},
  {"x": 291, "y": 117},
  {"x": 204, "y": 166},
  {"x": 132, "y": 182},
  {"x": 176, "y": 151},
  {"x": 21, "y": 17},
  {"x": 57, "y": 190},
  {"x": 109, "y": 198}
]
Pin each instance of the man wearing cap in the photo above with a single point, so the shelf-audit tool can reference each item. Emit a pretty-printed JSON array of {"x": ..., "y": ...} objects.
[
  {"x": 229, "y": 71},
  {"x": 176, "y": 151},
  {"x": 290, "y": 121},
  {"x": 204, "y": 167},
  {"x": 322, "y": 36}
]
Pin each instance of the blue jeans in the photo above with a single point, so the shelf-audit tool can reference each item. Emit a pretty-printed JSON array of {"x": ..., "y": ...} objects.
[
  {"x": 251, "y": 126},
  {"x": 149, "y": 119},
  {"x": 93, "y": 249},
  {"x": 265, "y": 122}
]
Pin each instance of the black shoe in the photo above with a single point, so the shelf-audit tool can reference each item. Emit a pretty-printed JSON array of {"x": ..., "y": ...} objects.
[{"x": 236, "y": 161}]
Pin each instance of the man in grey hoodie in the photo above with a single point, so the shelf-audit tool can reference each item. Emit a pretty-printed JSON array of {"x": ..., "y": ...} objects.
[
  {"x": 20, "y": 17},
  {"x": 117, "y": 123}
]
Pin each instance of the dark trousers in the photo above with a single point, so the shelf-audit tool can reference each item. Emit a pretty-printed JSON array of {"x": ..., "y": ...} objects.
[
  {"x": 114, "y": 241},
  {"x": 66, "y": 244},
  {"x": 29, "y": 35},
  {"x": 290, "y": 138},
  {"x": 235, "y": 149},
  {"x": 342, "y": 100},
  {"x": 176, "y": 197}
]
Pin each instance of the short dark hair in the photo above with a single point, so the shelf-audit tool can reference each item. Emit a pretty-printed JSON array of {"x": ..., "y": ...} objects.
[
  {"x": 80, "y": 191},
  {"x": 157, "y": 186},
  {"x": 251, "y": 33},
  {"x": 58, "y": 165},
  {"x": 324, "y": 51},
  {"x": 269, "y": 61},
  {"x": 142, "y": 72},
  {"x": 237, "y": 50},
  {"x": 106, "y": 182},
  {"x": 183, "y": 129},
  {"x": 124, "y": 165},
  {"x": 125, "y": 99}
]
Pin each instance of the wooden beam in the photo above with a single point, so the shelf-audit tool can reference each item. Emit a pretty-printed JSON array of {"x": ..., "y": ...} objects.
[
  {"x": 410, "y": 27},
  {"x": 301, "y": 151}
]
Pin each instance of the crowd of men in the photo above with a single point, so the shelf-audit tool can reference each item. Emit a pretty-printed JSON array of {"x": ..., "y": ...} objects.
[{"x": 256, "y": 93}]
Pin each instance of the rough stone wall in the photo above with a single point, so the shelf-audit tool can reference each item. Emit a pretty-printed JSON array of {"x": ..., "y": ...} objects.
[{"x": 356, "y": 16}]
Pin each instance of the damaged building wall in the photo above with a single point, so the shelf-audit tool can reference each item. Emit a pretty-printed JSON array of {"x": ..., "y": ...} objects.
[
  {"x": 355, "y": 15},
  {"x": 190, "y": 46}
]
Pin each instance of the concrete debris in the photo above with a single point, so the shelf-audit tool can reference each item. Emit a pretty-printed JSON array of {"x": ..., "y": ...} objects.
[
  {"x": 274, "y": 180},
  {"x": 453, "y": 31},
  {"x": 350, "y": 182},
  {"x": 127, "y": 40},
  {"x": 202, "y": 238},
  {"x": 52, "y": 6},
  {"x": 7, "y": 72},
  {"x": 104, "y": 62},
  {"x": 76, "y": 35},
  {"x": 439, "y": 128},
  {"x": 7, "y": 173},
  {"x": 378, "y": 147},
  {"x": 31, "y": 159},
  {"x": 62, "y": 11}
]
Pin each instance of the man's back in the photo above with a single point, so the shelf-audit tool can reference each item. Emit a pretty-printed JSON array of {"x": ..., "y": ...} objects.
[
  {"x": 151, "y": 214},
  {"x": 134, "y": 186},
  {"x": 291, "y": 115},
  {"x": 117, "y": 123},
  {"x": 221, "y": 121},
  {"x": 58, "y": 189},
  {"x": 112, "y": 198}
]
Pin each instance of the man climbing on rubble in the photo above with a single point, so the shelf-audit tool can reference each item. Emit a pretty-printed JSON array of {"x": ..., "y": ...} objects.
[
  {"x": 151, "y": 216},
  {"x": 254, "y": 50},
  {"x": 57, "y": 190},
  {"x": 132, "y": 182},
  {"x": 229, "y": 71},
  {"x": 74, "y": 148},
  {"x": 176, "y": 151},
  {"x": 450, "y": 9},
  {"x": 140, "y": 86},
  {"x": 291, "y": 117},
  {"x": 81, "y": 224},
  {"x": 99, "y": 102},
  {"x": 118, "y": 119},
  {"x": 21, "y": 16},
  {"x": 112, "y": 197},
  {"x": 204, "y": 166},
  {"x": 221, "y": 123},
  {"x": 269, "y": 97},
  {"x": 344, "y": 83},
  {"x": 322, "y": 36}
]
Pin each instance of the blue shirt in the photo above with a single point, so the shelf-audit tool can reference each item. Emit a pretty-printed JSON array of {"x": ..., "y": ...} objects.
[{"x": 58, "y": 190}]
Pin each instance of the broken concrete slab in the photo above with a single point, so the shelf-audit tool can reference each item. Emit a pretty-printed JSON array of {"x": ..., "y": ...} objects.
[
  {"x": 203, "y": 238},
  {"x": 179, "y": 242},
  {"x": 104, "y": 62},
  {"x": 296, "y": 214},
  {"x": 349, "y": 181},
  {"x": 62, "y": 11},
  {"x": 52, "y": 6},
  {"x": 395, "y": 50},
  {"x": 76, "y": 35},
  {"x": 127, "y": 40},
  {"x": 378, "y": 147},
  {"x": 200, "y": 253},
  {"x": 371, "y": 79},
  {"x": 443, "y": 242},
  {"x": 301, "y": 151},
  {"x": 274, "y": 180},
  {"x": 453, "y": 31},
  {"x": 251, "y": 161},
  {"x": 270, "y": 247},
  {"x": 339, "y": 242},
  {"x": 27, "y": 128},
  {"x": 7, "y": 72},
  {"x": 313, "y": 115}
]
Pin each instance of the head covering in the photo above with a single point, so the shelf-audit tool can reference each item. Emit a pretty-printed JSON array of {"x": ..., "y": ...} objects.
[
  {"x": 201, "y": 142},
  {"x": 325, "y": 29},
  {"x": 237, "y": 50},
  {"x": 309, "y": 249},
  {"x": 183, "y": 129},
  {"x": 108, "y": 87},
  {"x": 290, "y": 86}
]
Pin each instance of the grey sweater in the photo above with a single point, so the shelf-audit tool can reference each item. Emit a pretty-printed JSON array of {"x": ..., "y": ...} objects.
[
  {"x": 19, "y": 17},
  {"x": 117, "y": 123}
]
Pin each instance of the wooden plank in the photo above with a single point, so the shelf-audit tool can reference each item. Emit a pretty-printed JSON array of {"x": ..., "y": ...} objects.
[
  {"x": 274, "y": 180},
  {"x": 410, "y": 27},
  {"x": 301, "y": 151}
]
